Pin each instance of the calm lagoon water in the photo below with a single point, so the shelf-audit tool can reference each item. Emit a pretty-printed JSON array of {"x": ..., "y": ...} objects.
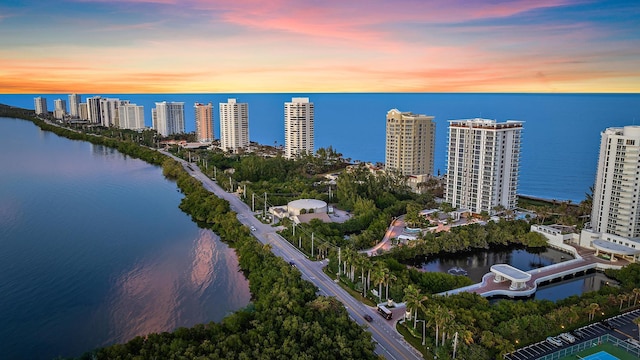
[
  {"x": 94, "y": 249},
  {"x": 478, "y": 263}
]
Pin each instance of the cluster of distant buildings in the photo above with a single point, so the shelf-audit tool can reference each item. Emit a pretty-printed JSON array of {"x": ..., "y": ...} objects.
[
  {"x": 483, "y": 160},
  {"x": 168, "y": 118},
  {"x": 483, "y": 156}
]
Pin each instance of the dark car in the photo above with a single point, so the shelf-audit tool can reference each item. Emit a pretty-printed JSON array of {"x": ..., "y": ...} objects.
[
  {"x": 368, "y": 317},
  {"x": 607, "y": 324},
  {"x": 292, "y": 263}
]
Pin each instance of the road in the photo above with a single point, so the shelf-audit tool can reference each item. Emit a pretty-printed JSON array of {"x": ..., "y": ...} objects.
[{"x": 389, "y": 343}]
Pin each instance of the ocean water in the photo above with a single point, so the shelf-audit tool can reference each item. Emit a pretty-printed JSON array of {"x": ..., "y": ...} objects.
[
  {"x": 94, "y": 249},
  {"x": 560, "y": 142}
]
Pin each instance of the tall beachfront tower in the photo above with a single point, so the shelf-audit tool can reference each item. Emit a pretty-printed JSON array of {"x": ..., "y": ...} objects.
[
  {"x": 131, "y": 116},
  {"x": 94, "y": 115},
  {"x": 298, "y": 128},
  {"x": 169, "y": 118},
  {"x": 74, "y": 103},
  {"x": 483, "y": 163},
  {"x": 40, "y": 105},
  {"x": 410, "y": 143},
  {"x": 616, "y": 194},
  {"x": 204, "y": 122},
  {"x": 234, "y": 125},
  {"x": 615, "y": 213},
  {"x": 59, "y": 109}
]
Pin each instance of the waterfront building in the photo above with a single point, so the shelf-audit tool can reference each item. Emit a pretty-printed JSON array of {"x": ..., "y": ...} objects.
[
  {"x": 410, "y": 143},
  {"x": 74, "y": 103},
  {"x": 94, "y": 115},
  {"x": 483, "y": 163},
  {"x": 83, "y": 113},
  {"x": 59, "y": 109},
  {"x": 168, "y": 118},
  {"x": 298, "y": 127},
  {"x": 204, "y": 122},
  {"x": 234, "y": 125},
  {"x": 40, "y": 105},
  {"x": 615, "y": 214},
  {"x": 109, "y": 111},
  {"x": 131, "y": 116}
]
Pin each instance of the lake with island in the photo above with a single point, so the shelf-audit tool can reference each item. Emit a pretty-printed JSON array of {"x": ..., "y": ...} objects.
[{"x": 94, "y": 249}]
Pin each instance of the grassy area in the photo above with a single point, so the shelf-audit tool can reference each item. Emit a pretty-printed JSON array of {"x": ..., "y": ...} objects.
[
  {"x": 529, "y": 203},
  {"x": 610, "y": 348},
  {"x": 416, "y": 342}
]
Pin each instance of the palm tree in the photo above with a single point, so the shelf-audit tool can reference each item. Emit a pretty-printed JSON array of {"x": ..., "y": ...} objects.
[
  {"x": 413, "y": 300},
  {"x": 622, "y": 298},
  {"x": 637, "y": 322},
  {"x": 593, "y": 307},
  {"x": 389, "y": 277},
  {"x": 636, "y": 292},
  {"x": 378, "y": 278},
  {"x": 447, "y": 321}
]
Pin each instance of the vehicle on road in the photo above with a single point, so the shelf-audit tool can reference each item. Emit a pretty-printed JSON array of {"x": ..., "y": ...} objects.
[
  {"x": 554, "y": 341},
  {"x": 292, "y": 263},
  {"x": 568, "y": 337},
  {"x": 253, "y": 228},
  {"x": 384, "y": 312},
  {"x": 368, "y": 317}
]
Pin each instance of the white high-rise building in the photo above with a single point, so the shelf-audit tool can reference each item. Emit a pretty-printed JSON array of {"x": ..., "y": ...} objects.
[
  {"x": 59, "y": 109},
  {"x": 483, "y": 164},
  {"x": 169, "y": 118},
  {"x": 410, "y": 143},
  {"x": 40, "y": 105},
  {"x": 74, "y": 102},
  {"x": 131, "y": 116},
  {"x": 109, "y": 111},
  {"x": 234, "y": 125},
  {"x": 204, "y": 122},
  {"x": 615, "y": 215},
  {"x": 298, "y": 128}
]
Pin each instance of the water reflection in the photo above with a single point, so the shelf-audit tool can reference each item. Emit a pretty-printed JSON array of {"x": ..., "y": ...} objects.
[
  {"x": 168, "y": 290},
  {"x": 478, "y": 263}
]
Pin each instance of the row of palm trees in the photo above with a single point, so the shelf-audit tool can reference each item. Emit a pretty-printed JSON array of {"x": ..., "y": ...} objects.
[
  {"x": 371, "y": 272},
  {"x": 437, "y": 316}
]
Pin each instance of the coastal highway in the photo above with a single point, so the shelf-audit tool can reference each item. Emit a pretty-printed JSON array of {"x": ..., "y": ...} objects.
[{"x": 389, "y": 343}]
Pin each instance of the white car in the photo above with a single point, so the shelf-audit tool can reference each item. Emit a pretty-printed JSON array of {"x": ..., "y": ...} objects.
[
  {"x": 568, "y": 337},
  {"x": 253, "y": 228},
  {"x": 554, "y": 341}
]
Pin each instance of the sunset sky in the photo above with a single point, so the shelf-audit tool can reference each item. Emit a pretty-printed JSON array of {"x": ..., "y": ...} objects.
[{"x": 190, "y": 46}]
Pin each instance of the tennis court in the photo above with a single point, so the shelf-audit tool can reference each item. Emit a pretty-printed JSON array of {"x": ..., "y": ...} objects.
[{"x": 602, "y": 355}]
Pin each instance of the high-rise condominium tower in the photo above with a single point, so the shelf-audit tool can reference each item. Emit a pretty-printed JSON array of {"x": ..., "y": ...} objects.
[
  {"x": 74, "y": 102},
  {"x": 410, "y": 143},
  {"x": 204, "y": 122},
  {"x": 40, "y": 105},
  {"x": 169, "y": 118},
  {"x": 131, "y": 116},
  {"x": 298, "y": 128},
  {"x": 234, "y": 125},
  {"x": 59, "y": 108},
  {"x": 483, "y": 162},
  {"x": 616, "y": 195},
  {"x": 83, "y": 112},
  {"x": 94, "y": 115},
  {"x": 615, "y": 213}
]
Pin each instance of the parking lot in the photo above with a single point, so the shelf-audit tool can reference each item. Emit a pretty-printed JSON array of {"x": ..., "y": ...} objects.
[{"x": 620, "y": 326}]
